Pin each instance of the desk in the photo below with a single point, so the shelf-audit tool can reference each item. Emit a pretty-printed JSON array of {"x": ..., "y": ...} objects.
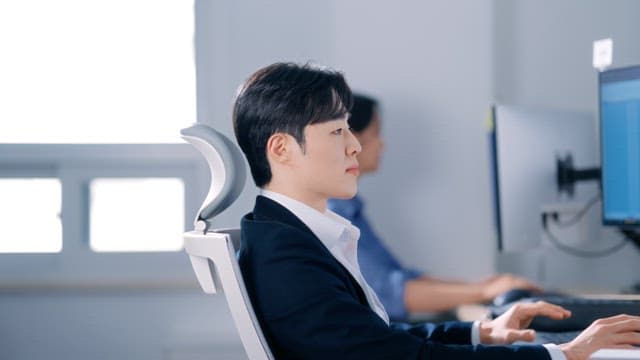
[{"x": 615, "y": 354}]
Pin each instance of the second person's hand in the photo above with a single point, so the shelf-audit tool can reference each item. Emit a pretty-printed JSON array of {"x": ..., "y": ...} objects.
[{"x": 499, "y": 284}]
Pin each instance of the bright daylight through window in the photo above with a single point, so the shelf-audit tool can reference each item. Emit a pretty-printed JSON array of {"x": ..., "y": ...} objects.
[
  {"x": 30, "y": 216},
  {"x": 136, "y": 214},
  {"x": 86, "y": 71}
]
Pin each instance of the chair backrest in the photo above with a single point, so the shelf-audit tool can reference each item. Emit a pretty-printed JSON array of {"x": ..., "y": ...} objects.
[{"x": 213, "y": 252}]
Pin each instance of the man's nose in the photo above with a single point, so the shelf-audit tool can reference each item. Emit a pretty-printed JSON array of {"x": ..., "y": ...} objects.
[{"x": 353, "y": 145}]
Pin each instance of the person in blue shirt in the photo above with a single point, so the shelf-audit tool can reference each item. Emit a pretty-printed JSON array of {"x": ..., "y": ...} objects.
[{"x": 403, "y": 290}]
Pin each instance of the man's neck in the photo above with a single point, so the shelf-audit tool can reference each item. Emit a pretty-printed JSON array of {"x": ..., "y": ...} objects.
[{"x": 315, "y": 202}]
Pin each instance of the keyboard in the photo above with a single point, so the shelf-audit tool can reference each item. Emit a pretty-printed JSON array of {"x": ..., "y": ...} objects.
[
  {"x": 543, "y": 337},
  {"x": 583, "y": 311},
  {"x": 555, "y": 337}
]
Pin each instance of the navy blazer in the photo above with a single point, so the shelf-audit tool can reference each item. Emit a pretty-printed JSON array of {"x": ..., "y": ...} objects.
[{"x": 310, "y": 307}]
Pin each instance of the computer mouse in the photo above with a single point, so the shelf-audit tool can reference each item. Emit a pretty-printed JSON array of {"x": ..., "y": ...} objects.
[{"x": 513, "y": 295}]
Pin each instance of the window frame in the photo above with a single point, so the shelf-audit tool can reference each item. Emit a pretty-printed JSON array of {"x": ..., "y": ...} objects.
[{"x": 75, "y": 165}]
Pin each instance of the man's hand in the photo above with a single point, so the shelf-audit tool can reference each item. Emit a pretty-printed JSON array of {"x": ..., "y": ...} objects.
[
  {"x": 512, "y": 325},
  {"x": 499, "y": 284},
  {"x": 619, "y": 331}
]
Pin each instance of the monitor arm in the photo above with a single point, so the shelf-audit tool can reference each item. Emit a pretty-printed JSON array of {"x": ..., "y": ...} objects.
[{"x": 567, "y": 175}]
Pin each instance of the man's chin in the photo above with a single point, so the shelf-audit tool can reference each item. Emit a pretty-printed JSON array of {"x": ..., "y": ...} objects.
[{"x": 346, "y": 194}]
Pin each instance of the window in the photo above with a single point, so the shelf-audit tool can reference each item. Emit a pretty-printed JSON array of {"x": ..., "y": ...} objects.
[
  {"x": 77, "y": 171},
  {"x": 30, "y": 215},
  {"x": 136, "y": 214},
  {"x": 94, "y": 95}
]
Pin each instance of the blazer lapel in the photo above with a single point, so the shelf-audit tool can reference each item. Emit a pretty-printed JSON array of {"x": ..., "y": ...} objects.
[{"x": 269, "y": 210}]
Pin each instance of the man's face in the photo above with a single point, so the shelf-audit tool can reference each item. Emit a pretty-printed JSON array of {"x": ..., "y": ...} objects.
[{"x": 328, "y": 167}]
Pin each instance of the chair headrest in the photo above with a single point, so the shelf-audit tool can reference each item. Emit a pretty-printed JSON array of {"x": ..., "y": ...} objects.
[{"x": 226, "y": 164}]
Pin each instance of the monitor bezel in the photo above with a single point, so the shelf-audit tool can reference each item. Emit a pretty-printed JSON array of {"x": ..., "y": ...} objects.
[{"x": 604, "y": 77}]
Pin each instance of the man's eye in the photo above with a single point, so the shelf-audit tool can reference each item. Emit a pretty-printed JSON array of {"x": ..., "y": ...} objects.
[{"x": 337, "y": 131}]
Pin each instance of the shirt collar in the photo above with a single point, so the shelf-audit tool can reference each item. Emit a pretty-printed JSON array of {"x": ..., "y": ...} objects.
[{"x": 329, "y": 227}]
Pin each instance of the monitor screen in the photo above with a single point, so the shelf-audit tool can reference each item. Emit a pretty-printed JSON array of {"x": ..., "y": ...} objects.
[
  {"x": 525, "y": 144},
  {"x": 620, "y": 145}
]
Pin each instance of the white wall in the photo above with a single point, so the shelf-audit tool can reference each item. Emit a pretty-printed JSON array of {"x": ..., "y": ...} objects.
[
  {"x": 429, "y": 63},
  {"x": 116, "y": 324},
  {"x": 543, "y": 49}
]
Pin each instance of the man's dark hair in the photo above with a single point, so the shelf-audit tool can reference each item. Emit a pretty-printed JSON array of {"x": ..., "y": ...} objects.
[
  {"x": 284, "y": 98},
  {"x": 362, "y": 112}
]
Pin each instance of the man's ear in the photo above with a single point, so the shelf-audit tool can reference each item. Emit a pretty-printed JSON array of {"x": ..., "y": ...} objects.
[{"x": 279, "y": 147}]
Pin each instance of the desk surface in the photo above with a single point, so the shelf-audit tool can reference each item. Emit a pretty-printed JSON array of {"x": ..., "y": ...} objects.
[{"x": 616, "y": 354}]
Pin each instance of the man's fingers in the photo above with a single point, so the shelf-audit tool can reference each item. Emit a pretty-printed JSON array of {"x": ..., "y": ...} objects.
[
  {"x": 521, "y": 335},
  {"x": 620, "y": 319},
  {"x": 627, "y": 338},
  {"x": 627, "y": 324},
  {"x": 620, "y": 347},
  {"x": 543, "y": 308},
  {"x": 611, "y": 319}
]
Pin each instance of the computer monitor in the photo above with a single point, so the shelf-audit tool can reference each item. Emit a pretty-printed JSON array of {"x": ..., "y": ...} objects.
[
  {"x": 620, "y": 145},
  {"x": 524, "y": 147}
]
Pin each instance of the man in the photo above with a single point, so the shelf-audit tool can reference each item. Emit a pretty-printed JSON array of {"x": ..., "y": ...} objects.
[
  {"x": 299, "y": 260},
  {"x": 402, "y": 290}
]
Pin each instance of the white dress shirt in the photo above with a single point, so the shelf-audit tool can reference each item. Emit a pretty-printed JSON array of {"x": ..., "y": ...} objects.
[
  {"x": 338, "y": 236},
  {"x": 341, "y": 239}
]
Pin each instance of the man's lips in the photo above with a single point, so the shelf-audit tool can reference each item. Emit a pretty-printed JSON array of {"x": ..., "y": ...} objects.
[{"x": 355, "y": 170}]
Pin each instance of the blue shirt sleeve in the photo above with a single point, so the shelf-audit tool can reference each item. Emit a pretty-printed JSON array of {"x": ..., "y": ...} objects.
[{"x": 382, "y": 271}]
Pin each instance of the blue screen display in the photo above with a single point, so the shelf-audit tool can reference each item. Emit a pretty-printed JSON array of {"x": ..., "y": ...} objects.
[{"x": 620, "y": 134}]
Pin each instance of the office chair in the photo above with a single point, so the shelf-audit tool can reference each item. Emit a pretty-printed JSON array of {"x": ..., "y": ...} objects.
[{"x": 213, "y": 252}]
